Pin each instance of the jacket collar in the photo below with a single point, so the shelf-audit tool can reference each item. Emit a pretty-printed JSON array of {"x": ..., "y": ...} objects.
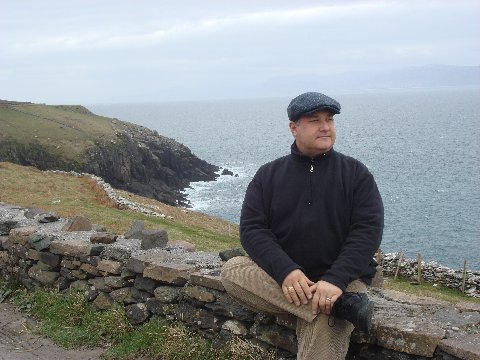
[{"x": 297, "y": 155}]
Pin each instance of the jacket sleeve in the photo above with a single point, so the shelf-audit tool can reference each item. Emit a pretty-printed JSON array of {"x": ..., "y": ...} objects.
[
  {"x": 364, "y": 233},
  {"x": 257, "y": 238}
]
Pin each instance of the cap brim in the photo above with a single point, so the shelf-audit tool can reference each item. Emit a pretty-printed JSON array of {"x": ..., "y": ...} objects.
[{"x": 332, "y": 109}]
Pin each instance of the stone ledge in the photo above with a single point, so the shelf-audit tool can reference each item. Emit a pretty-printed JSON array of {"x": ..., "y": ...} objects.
[
  {"x": 207, "y": 280},
  {"x": 411, "y": 337},
  {"x": 465, "y": 347},
  {"x": 170, "y": 273},
  {"x": 74, "y": 247}
]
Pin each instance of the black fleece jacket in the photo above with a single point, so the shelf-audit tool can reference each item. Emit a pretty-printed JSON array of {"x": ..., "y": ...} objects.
[{"x": 323, "y": 215}]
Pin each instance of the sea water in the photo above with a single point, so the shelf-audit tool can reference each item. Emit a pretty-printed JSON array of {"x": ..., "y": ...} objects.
[{"x": 423, "y": 147}]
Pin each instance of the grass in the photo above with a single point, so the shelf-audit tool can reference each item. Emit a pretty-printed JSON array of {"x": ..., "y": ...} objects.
[
  {"x": 70, "y": 321},
  {"x": 438, "y": 291},
  {"x": 70, "y": 196},
  {"x": 55, "y": 127}
]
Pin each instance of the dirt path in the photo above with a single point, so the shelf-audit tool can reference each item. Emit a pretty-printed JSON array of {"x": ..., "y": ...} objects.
[{"x": 19, "y": 342}]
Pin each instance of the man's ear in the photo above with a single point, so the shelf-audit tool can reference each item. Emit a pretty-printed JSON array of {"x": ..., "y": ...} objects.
[{"x": 293, "y": 128}]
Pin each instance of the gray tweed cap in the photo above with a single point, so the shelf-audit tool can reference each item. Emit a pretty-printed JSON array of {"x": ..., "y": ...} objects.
[{"x": 310, "y": 102}]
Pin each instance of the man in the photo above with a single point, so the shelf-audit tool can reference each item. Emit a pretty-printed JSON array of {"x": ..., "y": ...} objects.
[{"x": 311, "y": 222}]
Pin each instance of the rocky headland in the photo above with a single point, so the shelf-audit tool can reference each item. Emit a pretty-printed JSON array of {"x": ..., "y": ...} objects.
[{"x": 127, "y": 156}]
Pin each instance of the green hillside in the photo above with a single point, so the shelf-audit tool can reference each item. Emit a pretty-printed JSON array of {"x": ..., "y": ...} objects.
[{"x": 64, "y": 130}]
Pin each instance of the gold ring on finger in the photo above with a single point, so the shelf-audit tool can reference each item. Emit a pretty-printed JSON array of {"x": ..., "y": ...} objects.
[
  {"x": 328, "y": 299},
  {"x": 291, "y": 288}
]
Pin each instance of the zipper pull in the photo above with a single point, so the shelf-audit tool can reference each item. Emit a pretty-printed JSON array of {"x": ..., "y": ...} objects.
[{"x": 311, "y": 168}]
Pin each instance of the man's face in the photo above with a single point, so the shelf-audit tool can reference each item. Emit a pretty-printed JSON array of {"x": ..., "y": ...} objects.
[{"x": 314, "y": 133}]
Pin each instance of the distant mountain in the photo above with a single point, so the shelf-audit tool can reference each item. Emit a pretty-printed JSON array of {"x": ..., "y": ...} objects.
[
  {"x": 428, "y": 76},
  {"x": 128, "y": 156}
]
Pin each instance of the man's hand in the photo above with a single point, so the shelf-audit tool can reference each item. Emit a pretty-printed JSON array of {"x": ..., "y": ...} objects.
[
  {"x": 325, "y": 295},
  {"x": 296, "y": 287}
]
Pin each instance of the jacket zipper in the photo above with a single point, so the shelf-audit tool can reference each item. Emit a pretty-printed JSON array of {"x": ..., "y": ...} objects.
[{"x": 312, "y": 162}]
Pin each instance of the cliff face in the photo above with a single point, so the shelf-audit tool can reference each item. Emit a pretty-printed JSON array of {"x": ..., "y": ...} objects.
[
  {"x": 128, "y": 156},
  {"x": 143, "y": 162}
]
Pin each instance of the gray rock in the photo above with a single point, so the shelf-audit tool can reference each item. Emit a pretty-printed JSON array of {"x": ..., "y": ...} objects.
[
  {"x": 139, "y": 296},
  {"x": 136, "y": 229},
  {"x": 137, "y": 313},
  {"x": 49, "y": 259},
  {"x": 127, "y": 274},
  {"x": 226, "y": 306},
  {"x": 119, "y": 295},
  {"x": 276, "y": 336},
  {"x": 114, "y": 282},
  {"x": 199, "y": 293},
  {"x": 167, "y": 294},
  {"x": 103, "y": 238},
  {"x": 6, "y": 226},
  {"x": 41, "y": 273},
  {"x": 96, "y": 250},
  {"x": 98, "y": 283},
  {"x": 145, "y": 284},
  {"x": 41, "y": 241},
  {"x": 63, "y": 283},
  {"x": 78, "y": 223},
  {"x": 3, "y": 240},
  {"x": 103, "y": 301},
  {"x": 463, "y": 347},
  {"x": 48, "y": 218},
  {"x": 231, "y": 253},
  {"x": 155, "y": 306},
  {"x": 79, "y": 286},
  {"x": 235, "y": 327},
  {"x": 195, "y": 317},
  {"x": 30, "y": 213},
  {"x": 153, "y": 239}
]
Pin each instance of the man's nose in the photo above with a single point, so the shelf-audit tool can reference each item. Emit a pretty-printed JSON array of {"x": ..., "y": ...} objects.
[{"x": 322, "y": 125}]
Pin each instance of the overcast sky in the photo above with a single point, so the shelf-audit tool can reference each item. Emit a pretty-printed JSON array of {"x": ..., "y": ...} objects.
[{"x": 133, "y": 51}]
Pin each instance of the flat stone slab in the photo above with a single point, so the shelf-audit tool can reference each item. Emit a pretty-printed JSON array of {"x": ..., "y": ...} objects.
[
  {"x": 73, "y": 247},
  {"x": 405, "y": 327},
  {"x": 410, "y": 336},
  {"x": 138, "y": 262},
  {"x": 208, "y": 279},
  {"x": 176, "y": 274},
  {"x": 466, "y": 346}
]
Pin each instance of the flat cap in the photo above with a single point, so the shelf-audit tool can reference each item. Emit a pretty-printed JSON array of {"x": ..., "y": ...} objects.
[{"x": 310, "y": 102}]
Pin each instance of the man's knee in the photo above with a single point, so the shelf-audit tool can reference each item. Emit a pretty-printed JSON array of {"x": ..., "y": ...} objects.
[
  {"x": 232, "y": 270},
  {"x": 357, "y": 286}
]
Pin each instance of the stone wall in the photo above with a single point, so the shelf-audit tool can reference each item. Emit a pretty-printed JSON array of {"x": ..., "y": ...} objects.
[
  {"x": 432, "y": 272},
  {"x": 176, "y": 283}
]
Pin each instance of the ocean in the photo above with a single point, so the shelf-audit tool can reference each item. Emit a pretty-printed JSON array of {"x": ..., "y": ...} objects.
[{"x": 423, "y": 147}]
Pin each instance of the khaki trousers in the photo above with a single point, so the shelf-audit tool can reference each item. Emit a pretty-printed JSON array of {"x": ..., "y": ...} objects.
[{"x": 253, "y": 288}]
